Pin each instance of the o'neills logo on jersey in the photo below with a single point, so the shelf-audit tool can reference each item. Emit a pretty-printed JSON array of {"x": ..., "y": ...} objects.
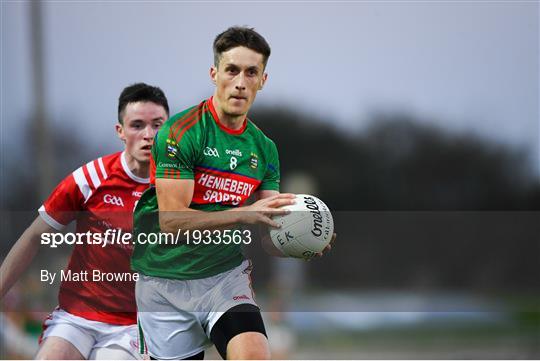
[
  {"x": 212, "y": 186},
  {"x": 241, "y": 297},
  {"x": 235, "y": 152}
]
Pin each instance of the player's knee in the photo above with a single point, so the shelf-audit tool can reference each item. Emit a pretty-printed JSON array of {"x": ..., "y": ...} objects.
[
  {"x": 248, "y": 346},
  {"x": 56, "y": 348},
  {"x": 260, "y": 354},
  {"x": 249, "y": 354},
  {"x": 113, "y": 353}
]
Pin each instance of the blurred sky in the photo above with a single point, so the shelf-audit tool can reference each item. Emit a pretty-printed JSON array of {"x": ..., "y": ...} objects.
[{"x": 471, "y": 66}]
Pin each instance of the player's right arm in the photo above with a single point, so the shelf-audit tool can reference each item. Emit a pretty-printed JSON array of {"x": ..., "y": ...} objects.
[
  {"x": 56, "y": 212},
  {"x": 22, "y": 254},
  {"x": 174, "y": 197}
]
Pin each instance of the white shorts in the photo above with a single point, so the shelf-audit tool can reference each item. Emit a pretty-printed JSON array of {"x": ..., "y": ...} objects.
[
  {"x": 177, "y": 316},
  {"x": 87, "y": 335}
]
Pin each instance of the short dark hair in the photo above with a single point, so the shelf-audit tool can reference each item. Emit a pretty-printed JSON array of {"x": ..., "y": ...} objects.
[
  {"x": 240, "y": 36},
  {"x": 141, "y": 92}
]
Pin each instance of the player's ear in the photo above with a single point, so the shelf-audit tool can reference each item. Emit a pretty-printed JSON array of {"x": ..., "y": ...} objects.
[
  {"x": 120, "y": 132},
  {"x": 263, "y": 81},
  {"x": 213, "y": 73}
]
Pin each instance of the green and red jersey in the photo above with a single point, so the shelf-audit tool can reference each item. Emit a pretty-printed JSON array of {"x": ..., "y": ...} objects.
[{"x": 227, "y": 167}]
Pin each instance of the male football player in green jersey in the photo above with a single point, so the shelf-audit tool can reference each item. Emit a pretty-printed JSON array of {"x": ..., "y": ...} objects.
[{"x": 206, "y": 162}]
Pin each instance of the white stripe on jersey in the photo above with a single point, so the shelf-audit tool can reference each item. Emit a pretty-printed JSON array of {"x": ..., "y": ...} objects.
[
  {"x": 81, "y": 181},
  {"x": 93, "y": 174},
  {"x": 50, "y": 220},
  {"x": 102, "y": 168}
]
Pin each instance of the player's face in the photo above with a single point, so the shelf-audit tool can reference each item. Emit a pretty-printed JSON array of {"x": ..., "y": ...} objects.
[
  {"x": 141, "y": 123},
  {"x": 238, "y": 77}
]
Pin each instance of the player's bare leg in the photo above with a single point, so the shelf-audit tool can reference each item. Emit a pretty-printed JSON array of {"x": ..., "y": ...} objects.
[
  {"x": 248, "y": 346},
  {"x": 56, "y": 348},
  {"x": 112, "y": 353}
]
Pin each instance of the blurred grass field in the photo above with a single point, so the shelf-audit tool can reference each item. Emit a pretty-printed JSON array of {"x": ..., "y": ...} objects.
[
  {"x": 510, "y": 332},
  {"x": 459, "y": 342}
]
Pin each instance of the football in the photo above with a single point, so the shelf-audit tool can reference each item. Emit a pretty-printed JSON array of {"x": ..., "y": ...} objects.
[{"x": 305, "y": 231}]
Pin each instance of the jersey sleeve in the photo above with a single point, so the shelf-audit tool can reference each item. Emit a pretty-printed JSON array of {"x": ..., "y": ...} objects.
[
  {"x": 61, "y": 207},
  {"x": 272, "y": 176},
  {"x": 175, "y": 158}
]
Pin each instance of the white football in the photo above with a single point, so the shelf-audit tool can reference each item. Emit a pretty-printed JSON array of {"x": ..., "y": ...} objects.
[{"x": 305, "y": 231}]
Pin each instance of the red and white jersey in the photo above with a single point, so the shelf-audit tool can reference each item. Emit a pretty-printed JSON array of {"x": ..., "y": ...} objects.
[{"x": 100, "y": 195}]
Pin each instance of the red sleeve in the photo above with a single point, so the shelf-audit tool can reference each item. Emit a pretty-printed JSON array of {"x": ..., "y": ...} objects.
[{"x": 62, "y": 205}]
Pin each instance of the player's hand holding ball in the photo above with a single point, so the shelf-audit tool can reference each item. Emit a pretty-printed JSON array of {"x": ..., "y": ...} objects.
[{"x": 306, "y": 231}]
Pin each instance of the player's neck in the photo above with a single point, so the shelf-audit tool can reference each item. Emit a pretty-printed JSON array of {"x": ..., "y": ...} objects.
[
  {"x": 232, "y": 122},
  {"x": 140, "y": 169}
]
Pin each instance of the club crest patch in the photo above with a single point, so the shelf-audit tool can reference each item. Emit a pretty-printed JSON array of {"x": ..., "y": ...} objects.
[
  {"x": 172, "y": 148},
  {"x": 253, "y": 161}
]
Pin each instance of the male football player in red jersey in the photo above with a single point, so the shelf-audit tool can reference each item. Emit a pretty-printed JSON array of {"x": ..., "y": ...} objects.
[{"x": 96, "y": 319}]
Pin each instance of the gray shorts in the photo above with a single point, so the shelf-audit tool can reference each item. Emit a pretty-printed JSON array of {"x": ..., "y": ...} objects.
[{"x": 176, "y": 316}]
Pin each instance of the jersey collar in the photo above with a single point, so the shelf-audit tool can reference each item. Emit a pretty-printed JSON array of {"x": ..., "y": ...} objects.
[
  {"x": 221, "y": 125},
  {"x": 129, "y": 172}
]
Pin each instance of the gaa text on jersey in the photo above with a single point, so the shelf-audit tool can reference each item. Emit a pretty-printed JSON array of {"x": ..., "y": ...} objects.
[
  {"x": 211, "y": 152},
  {"x": 114, "y": 200}
]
